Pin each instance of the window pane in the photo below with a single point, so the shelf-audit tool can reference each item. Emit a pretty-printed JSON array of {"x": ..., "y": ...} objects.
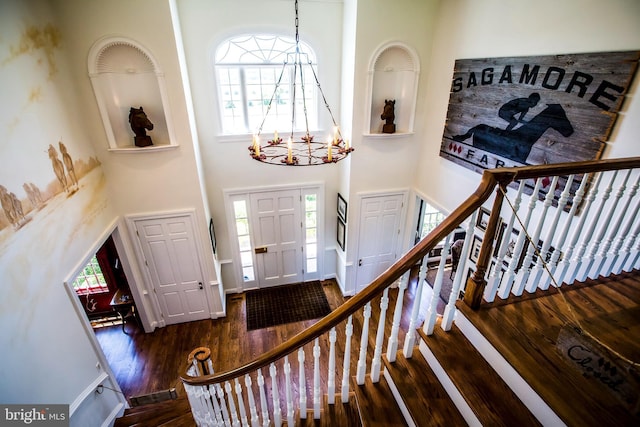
[
  {"x": 312, "y": 265},
  {"x": 310, "y": 221},
  {"x": 240, "y": 209},
  {"x": 310, "y": 202},
  {"x": 245, "y": 258},
  {"x": 242, "y": 226},
  {"x": 244, "y": 242},
  {"x": 311, "y": 235},
  {"x": 312, "y": 251},
  {"x": 247, "y": 273}
]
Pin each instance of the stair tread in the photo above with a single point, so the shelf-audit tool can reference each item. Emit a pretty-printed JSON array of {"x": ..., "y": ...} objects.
[
  {"x": 490, "y": 398},
  {"x": 337, "y": 414},
  {"x": 377, "y": 404},
  {"x": 155, "y": 414},
  {"x": 424, "y": 396}
]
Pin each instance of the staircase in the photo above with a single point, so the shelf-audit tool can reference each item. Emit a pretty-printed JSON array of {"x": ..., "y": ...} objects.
[{"x": 550, "y": 338}]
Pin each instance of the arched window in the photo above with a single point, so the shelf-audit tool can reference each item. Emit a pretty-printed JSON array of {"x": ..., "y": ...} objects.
[{"x": 248, "y": 69}]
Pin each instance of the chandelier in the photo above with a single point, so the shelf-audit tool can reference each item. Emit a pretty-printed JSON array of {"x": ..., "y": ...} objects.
[{"x": 304, "y": 150}]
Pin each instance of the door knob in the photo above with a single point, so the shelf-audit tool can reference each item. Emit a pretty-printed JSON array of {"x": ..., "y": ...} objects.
[
  {"x": 200, "y": 285},
  {"x": 360, "y": 263}
]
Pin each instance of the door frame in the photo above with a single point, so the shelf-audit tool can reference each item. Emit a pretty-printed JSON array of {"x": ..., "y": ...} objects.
[
  {"x": 400, "y": 243},
  {"x": 148, "y": 288},
  {"x": 230, "y": 195}
]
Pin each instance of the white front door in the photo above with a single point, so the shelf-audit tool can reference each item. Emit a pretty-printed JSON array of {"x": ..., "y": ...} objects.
[
  {"x": 172, "y": 258},
  {"x": 378, "y": 236},
  {"x": 277, "y": 234}
]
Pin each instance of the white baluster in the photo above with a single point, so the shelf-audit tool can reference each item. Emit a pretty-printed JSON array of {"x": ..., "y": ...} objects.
[
  {"x": 303, "y": 384},
  {"x": 430, "y": 320},
  {"x": 331, "y": 378},
  {"x": 316, "y": 380},
  {"x": 376, "y": 362},
  {"x": 288, "y": 392},
  {"x": 275, "y": 395},
  {"x": 450, "y": 309},
  {"x": 587, "y": 236},
  {"x": 364, "y": 341},
  {"x": 604, "y": 226},
  {"x": 235, "y": 421},
  {"x": 543, "y": 276},
  {"x": 217, "y": 412},
  {"x": 532, "y": 249},
  {"x": 520, "y": 244},
  {"x": 503, "y": 287},
  {"x": 253, "y": 410},
  {"x": 223, "y": 405},
  {"x": 346, "y": 362},
  {"x": 625, "y": 256},
  {"x": 392, "y": 344},
  {"x": 613, "y": 231},
  {"x": 266, "y": 422},
  {"x": 568, "y": 259},
  {"x": 241, "y": 407},
  {"x": 410, "y": 338},
  {"x": 630, "y": 217}
]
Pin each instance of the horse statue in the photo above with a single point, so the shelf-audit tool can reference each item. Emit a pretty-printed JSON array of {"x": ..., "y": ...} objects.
[
  {"x": 58, "y": 167},
  {"x": 516, "y": 144},
  {"x": 389, "y": 116},
  {"x": 140, "y": 124},
  {"x": 68, "y": 163}
]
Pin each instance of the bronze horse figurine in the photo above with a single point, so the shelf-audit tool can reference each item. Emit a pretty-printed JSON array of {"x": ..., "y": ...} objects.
[
  {"x": 516, "y": 144},
  {"x": 140, "y": 124},
  {"x": 389, "y": 116}
]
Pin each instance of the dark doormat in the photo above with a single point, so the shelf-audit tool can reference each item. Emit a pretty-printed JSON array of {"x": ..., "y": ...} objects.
[{"x": 286, "y": 304}]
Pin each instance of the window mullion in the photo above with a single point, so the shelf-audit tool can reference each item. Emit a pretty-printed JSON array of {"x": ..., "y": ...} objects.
[{"x": 245, "y": 103}]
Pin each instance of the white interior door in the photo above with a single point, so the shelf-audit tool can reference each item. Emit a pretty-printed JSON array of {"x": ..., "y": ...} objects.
[
  {"x": 172, "y": 258},
  {"x": 378, "y": 236},
  {"x": 277, "y": 237}
]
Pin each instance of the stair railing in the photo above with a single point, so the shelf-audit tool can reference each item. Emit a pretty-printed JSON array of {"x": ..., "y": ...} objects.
[{"x": 603, "y": 240}]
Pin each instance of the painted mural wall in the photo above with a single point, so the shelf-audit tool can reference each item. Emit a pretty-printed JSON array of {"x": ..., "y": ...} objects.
[{"x": 53, "y": 207}]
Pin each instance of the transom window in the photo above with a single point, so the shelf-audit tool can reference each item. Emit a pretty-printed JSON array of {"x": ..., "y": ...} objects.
[{"x": 248, "y": 69}]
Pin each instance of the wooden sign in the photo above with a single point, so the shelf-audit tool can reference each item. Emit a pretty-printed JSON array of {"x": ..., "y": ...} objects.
[{"x": 534, "y": 110}]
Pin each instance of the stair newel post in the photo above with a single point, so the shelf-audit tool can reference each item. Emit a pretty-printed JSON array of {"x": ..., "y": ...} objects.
[
  {"x": 410, "y": 338},
  {"x": 509, "y": 276},
  {"x": 235, "y": 421},
  {"x": 288, "y": 392},
  {"x": 316, "y": 379},
  {"x": 331, "y": 377},
  {"x": 615, "y": 252},
  {"x": 346, "y": 363},
  {"x": 364, "y": 341},
  {"x": 430, "y": 319},
  {"x": 275, "y": 395},
  {"x": 223, "y": 405},
  {"x": 540, "y": 275},
  {"x": 587, "y": 234},
  {"x": 613, "y": 229},
  {"x": 392, "y": 344},
  {"x": 475, "y": 286},
  {"x": 241, "y": 408},
  {"x": 302, "y": 381},
  {"x": 263, "y": 400},
  {"x": 450, "y": 309},
  {"x": 525, "y": 270},
  {"x": 253, "y": 410},
  {"x": 376, "y": 362},
  {"x": 568, "y": 259}
]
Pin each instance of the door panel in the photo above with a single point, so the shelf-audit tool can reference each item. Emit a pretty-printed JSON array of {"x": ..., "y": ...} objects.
[
  {"x": 172, "y": 258},
  {"x": 278, "y": 229},
  {"x": 378, "y": 236}
]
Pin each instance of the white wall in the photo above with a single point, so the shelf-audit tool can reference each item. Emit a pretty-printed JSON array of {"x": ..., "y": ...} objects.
[{"x": 495, "y": 28}]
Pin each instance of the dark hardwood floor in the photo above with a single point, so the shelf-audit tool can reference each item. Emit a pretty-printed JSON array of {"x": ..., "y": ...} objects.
[{"x": 146, "y": 363}]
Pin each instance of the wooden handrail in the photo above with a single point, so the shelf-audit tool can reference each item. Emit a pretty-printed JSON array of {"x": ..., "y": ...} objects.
[{"x": 489, "y": 181}]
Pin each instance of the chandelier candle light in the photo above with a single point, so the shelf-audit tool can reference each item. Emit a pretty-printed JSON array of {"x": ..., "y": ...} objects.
[{"x": 304, "y": 151}]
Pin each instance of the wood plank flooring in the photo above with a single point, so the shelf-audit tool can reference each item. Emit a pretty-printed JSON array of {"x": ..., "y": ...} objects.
[{"x": 145, "y": 363}]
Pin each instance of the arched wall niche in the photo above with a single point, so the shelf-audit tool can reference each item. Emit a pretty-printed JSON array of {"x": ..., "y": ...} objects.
[
  {"x": 124, "y": 74},
  {"x": 393, "y": 74}
]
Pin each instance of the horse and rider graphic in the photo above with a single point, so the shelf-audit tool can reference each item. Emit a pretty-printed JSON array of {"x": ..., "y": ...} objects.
[{"x": 513, "y": 142}]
